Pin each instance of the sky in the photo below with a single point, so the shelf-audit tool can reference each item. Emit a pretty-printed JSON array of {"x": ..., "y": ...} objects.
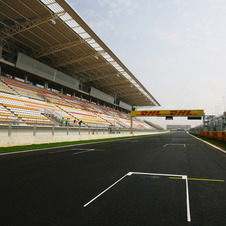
[{"x": 175, "y": 48}]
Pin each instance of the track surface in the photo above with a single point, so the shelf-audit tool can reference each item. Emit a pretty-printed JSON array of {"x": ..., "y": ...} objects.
[{"x": 55, "y": 187}]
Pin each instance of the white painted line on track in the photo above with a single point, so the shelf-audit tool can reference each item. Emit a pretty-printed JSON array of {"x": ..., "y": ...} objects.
[
  {"x": 21, "y": 152},
  {"x": 157, "y": 174},
  {"x": 220, "y": 149},
  {"x": 82, "y": 149},
  {"x": 187, "y": 200},
  {"x": 74, "y": 149},
  {"x": 184, "y": 177},
  {"x": 104, "y": 191},
  {"x": 174, "y": 145},
  {"x": 81, "y": 152}
]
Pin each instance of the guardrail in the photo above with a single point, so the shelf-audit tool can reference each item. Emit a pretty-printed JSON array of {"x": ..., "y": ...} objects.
[
  {"x": 211, "y": 123},
  {"x": 212, "y": 127}
]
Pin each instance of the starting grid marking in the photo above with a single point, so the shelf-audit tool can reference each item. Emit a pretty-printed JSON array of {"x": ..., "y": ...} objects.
[
  {"x": 174, "y": 145},
  {"x": 184, "y": 177},
  {"x": 81, "y": 150},
  {"x": 171, "y": 176}
]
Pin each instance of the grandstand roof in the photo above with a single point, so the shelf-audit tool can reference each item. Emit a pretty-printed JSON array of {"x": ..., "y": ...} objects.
[{"x": 52, "y": 32}]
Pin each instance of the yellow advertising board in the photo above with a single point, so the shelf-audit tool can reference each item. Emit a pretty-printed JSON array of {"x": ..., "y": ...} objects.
[
  {"x": 219, "y": 135},
  {"x": 164, "y": 113}
]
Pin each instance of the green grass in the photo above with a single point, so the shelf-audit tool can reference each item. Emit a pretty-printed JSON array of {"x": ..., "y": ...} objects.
[
  {"x": 61, "y": 144},
  {"x": 219, "y": 143}
]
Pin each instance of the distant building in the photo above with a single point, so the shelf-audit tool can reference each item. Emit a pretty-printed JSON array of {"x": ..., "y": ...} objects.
[{"x": 178, "y": 127}]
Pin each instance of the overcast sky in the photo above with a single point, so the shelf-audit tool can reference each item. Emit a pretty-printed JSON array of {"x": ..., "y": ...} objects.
[{"x": 175, "y": 48}]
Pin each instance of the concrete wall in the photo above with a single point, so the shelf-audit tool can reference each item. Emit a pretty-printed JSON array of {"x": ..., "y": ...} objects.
[{"x": 26, "y": 135}]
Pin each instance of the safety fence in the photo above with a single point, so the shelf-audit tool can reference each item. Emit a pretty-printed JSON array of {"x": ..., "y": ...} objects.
[{"x": 212, "y": 127}]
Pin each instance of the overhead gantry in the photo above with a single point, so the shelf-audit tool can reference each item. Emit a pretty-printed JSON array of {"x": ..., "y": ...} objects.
[{"x": 168, "y": 114}]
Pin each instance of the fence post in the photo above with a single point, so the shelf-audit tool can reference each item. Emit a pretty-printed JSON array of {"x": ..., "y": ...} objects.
[
  {"x": 53, "y": 130},
  {"x": 131, "y": 125},
  {"x": 34, "y": 131},
  {"x": 10, "y": 130},
  {"x": 67, "y": 130},
  {"x": 224, "y": 120}
]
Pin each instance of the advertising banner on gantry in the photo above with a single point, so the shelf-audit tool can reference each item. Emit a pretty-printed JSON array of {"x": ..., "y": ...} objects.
[{"x": 164, "y": 113}]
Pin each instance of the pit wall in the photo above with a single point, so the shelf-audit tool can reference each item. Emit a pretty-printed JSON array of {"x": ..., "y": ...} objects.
[
  {"x": 218, "y": 135},
  {"x": 26, "y": 135}
]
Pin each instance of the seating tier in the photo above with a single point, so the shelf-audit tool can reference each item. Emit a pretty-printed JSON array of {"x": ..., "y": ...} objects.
[
  {"x": 25, "y": 102},
  {"x": 28, "y": 110}
]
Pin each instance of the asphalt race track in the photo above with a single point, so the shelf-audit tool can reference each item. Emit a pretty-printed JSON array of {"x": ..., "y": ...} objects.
[{"x": 169, "y": 179}]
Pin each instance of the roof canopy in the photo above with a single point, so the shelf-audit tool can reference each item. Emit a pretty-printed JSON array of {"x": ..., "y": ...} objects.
[{"x": 52, "y": 32}]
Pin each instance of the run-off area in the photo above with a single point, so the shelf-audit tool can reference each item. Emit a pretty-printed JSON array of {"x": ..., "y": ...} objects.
[{"x": 140, "y": 200}]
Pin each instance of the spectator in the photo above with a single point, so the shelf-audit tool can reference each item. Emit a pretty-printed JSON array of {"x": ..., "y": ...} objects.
[{"x": 62, "y": 121}]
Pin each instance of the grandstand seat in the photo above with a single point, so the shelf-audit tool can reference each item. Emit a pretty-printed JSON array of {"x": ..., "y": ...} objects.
[
  {"x": 6, "y": 116},
  {"x": 28, "y": 110},
  {"x": 4, "y": 88},
  {"x": 22, "y": 88},
  {"x": 53, "y": 97}
]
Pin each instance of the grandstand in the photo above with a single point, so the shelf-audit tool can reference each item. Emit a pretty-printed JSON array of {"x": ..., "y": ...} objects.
[{"x": 53, "y": 68}]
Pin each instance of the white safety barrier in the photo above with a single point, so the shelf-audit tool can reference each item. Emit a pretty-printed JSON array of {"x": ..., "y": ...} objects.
[{"x": 26, "y": 135}]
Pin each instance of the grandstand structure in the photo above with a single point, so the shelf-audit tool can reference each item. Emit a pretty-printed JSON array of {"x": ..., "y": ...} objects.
[{"x": 54, "y": 70}]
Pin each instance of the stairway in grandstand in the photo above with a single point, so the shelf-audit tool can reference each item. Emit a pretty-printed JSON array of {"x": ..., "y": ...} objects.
[
  {"x": 5, "y": 88},
  {"x": 98, "y": 111},
  {"x": 80, "y": 110}
]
